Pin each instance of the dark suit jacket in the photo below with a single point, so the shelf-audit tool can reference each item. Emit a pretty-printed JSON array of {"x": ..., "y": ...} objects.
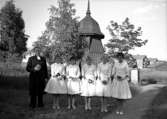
[{"x": 37, "y": 78}]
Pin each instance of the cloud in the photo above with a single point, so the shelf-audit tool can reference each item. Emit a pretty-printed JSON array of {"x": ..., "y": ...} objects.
[
  {"x": 132, "y": 0},
  {"x": 158, "y": 0},
  {"x": 148, "y": 8},
  {"x": 143, "y": 9}
]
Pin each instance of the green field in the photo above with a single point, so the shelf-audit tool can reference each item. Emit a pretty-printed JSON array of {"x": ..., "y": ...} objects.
[{"x": 157, "y": 73}]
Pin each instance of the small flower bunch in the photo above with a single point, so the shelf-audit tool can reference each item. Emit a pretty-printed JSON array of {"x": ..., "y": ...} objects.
[{"x": 90, "y": 81}]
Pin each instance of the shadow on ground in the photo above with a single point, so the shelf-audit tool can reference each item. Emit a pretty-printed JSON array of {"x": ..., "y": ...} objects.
[{"x": 158, "y": 106}]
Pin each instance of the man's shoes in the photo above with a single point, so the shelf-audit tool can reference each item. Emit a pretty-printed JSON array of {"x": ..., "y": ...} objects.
[
  {"x": 69, "y": 107},
  {"x": 31, "y": 106},
  {"x": 86, "y": 108},
  {"x": 121, "y": 112},
  {"x": 117, "y": 112},
  {"x": 41, "y": 105},
  {"x": 105, "y": 110},
  {"x": 73, "y": 107}
]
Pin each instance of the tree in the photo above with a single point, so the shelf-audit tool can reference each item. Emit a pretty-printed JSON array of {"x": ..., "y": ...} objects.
[
  {"x": 124, "y": 37},
  {"x": 61, "y": 37},
  {"x": 12, "y": 25}
]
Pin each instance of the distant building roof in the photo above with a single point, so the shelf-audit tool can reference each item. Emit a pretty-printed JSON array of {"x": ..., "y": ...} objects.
[
  {"x": 153, "y": 59},
  {"x": 139, "y": 56}
]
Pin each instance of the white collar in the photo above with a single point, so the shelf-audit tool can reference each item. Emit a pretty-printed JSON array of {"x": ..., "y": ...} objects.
[{"x": 38, "y": 57}]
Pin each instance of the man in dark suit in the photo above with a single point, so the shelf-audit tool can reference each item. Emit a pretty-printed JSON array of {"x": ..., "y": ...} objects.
[{"x": 38, "y": 74}]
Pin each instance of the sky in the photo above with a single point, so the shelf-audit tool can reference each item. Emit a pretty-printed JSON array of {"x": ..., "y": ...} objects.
[{"x": 151, "y": 15}]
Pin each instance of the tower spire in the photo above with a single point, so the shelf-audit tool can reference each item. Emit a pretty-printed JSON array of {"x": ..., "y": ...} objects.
[{"x": 88, "y": 9}]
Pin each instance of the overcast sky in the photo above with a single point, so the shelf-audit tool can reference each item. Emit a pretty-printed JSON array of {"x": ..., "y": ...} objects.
[{"x": 151, "y": 15}]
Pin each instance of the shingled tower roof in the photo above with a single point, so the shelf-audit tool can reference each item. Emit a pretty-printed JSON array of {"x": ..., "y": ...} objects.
[{"x": 89, "y": 27}]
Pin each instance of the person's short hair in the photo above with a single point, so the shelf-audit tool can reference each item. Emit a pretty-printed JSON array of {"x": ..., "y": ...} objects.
[
  {"x": 105, "y": 57},
  {"x": 88, "y": 58},
  {"x": 120, "y": 54},
  {"x": 37, "y": 50},
  {"x": 58, "y": 59},
  {"x": 73, "y": 58}
]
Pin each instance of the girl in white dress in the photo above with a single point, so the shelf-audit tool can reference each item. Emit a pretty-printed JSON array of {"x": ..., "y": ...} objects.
[
  {"x": 103, "y": 83},
  {"x": 73, "y": 82},
  {"x": 120, "y": 87},
  {"x": 57, "y": 85},
  {"x": 88, "y": 88}
]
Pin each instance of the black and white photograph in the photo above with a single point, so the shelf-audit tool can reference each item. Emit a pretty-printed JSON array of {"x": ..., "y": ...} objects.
[{"x": 83, "y": 59}]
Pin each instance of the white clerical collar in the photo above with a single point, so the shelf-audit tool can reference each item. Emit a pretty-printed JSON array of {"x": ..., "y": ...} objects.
[{"x": 38, "y": 57}]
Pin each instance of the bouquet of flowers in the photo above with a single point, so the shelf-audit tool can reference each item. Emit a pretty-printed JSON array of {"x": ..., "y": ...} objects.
[
  {"x": 112, "y": 77},
  {"x": 58, "y": 76},
  {"x": 73, "y": 78},
  {"x": 90, "y": 81},
  {"x": 120, "y": 78},
  {"x": 63, "y": 77},
  {"x": 105, "y": 82}
]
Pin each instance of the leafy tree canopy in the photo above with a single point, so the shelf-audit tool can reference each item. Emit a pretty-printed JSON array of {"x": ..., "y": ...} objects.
[
  {"x": 124, "y": 37},
  {"x": 12, "y": 26},
  {"x": 61, "y": 37}
]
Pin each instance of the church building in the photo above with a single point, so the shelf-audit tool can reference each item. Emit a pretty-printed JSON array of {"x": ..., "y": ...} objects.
[{"x": 89, "y": 30}]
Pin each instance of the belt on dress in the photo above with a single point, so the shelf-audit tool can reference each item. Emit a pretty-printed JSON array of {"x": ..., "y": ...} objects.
[
  {"x": 59, "y": 77},
  {"x": 73, "y": 78},
  {"x": 105, "y": 82},
  {"x": 119, "y": 78}
]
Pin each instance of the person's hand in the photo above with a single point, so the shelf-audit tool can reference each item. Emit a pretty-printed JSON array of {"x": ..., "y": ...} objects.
[
  {"x": 99, "y": 78},
  {"x": 37, "y": 67},
  {"x": 58, "y": 74},
  {"x": 83, "y": 77},
  {"x": 63, "y": 76},
  {"x": 46, "y": 80},
  {"x": 70, "y": 77},
  {"x": 104, "y": 82},
  {"x": 126, "y": 76},
  {"x": 119, "y": 77},
  {"x": 80, "y": 77},
  {"x": 90, "y": 81},
  {"x": 74, "y": 79}
]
